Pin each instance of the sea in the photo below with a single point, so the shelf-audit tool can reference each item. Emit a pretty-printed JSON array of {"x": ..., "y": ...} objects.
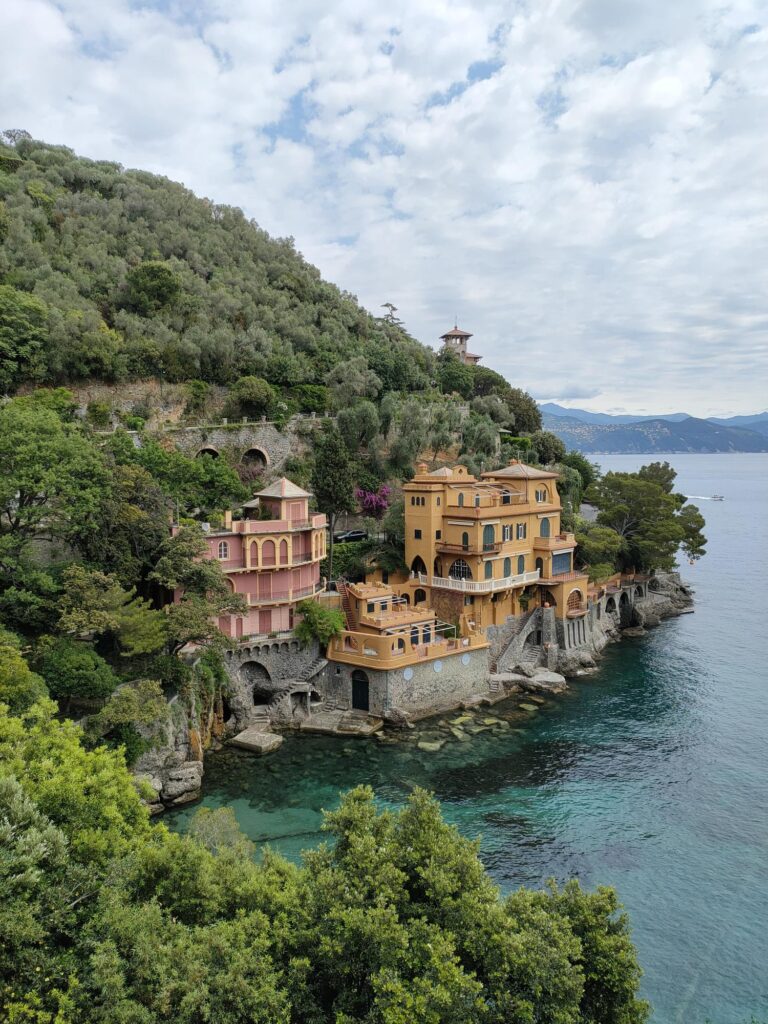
[{"x": 650, "y": 775}]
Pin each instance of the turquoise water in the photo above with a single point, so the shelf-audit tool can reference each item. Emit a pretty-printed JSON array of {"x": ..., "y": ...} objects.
[{"x": 651, "y": 775}]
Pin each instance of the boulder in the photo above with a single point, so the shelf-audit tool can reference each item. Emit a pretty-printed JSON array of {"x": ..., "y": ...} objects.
[
  {"x": 545, "y": 682},
  {"x": 257, "y": 741},
  {"x": 430, "y": 746},
  {"x": 183, "y": 783}
]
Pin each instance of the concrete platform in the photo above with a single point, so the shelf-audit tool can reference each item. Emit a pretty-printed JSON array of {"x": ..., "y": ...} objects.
[
  {"x": 257, "y": 740},
  {"x": 341, "y": 723}
]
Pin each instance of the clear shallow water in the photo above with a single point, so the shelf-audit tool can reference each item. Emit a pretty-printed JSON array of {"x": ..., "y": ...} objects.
[{"x": 651, "y": 775}]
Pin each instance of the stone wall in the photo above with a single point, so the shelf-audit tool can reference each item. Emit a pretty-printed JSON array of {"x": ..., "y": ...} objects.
[
  {"x": 264, "y": 667},
  {"x": 416, "y": 690}
]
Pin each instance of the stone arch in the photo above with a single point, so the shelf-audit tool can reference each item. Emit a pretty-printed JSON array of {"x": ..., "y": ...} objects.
[
  {"x": 417, "y": 565},
  {"x": 255, "y": 457},
  {"x": 259, "y": 680},
  {"x": 549, "y": 598},
  {"x": 610, "y": 605},
  {"x": 207, "y": 450},
  {"x": 638, "y": 591},
  {"x": 625, "y": 608}
]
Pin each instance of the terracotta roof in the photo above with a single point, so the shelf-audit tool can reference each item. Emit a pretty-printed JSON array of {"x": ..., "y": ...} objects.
[
  {"x": 282, "y": 488},
  {"x": 456, "y": 332},
  {"x": 519, "y": 471}
]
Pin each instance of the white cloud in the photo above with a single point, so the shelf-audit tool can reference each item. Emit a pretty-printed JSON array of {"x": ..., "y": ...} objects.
[{"x": 582, "y": 182}]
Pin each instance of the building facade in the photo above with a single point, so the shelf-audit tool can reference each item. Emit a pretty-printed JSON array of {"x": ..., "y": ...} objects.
[
  {"x": 271, "y": 556},
  {"x": 481, "y": 550}
]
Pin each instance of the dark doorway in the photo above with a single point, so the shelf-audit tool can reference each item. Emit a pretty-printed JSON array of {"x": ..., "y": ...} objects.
[{"x": 360, "y": 691}]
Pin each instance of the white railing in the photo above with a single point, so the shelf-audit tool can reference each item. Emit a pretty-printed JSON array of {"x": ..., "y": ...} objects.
[{"x": 479, "y": 586}]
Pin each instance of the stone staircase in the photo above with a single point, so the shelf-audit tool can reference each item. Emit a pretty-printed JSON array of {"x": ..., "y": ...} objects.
[
  {"x": 313, "y": 670},
  {"x": 520, "y": 625}
]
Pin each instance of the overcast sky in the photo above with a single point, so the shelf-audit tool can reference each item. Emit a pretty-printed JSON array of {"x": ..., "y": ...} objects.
[{"x": 584, "y": 184}]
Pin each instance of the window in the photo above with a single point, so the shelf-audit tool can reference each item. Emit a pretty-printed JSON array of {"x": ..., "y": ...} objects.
[
  {"x": 561, "y": 563},
  {"x": 370, "y": 606},
  {"x": 461, "y": 501},
  {"x": 541, "y": 494},
  {"x": 465, "y": 541},
  {"x": 426, "y": 634},
  {"x": 489, "y": 538},
  {"x": 506, "y": 533},
  {"x": 413, "y": 500},
  {"x": 417, "y": 534},
  {"x": 460, "y": 570},
  {"x": 489, "y": 570},
  {"x": 522, "y": 530},
  {"x": 438, "y": 534},
  {"x": 506, "y": 498},
  {"x": 544, "y": 528},
  {"x": 468, "y": 600},
  {"x": 507, "y": 567},
  {"x": 223, "y": 549},
  {"x": 438, "y": 501},
  {"x": 520, "y": 564},
  {"x": 477, "y": 501}
]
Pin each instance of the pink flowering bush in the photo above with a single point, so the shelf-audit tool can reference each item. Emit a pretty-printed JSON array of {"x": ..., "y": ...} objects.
[{"x": 373, "y": 503}]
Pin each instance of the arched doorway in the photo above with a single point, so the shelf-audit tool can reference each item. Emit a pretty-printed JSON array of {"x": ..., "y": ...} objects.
[
  {"x": 625, "y": 609},
  {"x": 489, "y": 538},
  {"x": 417, "y": 565},
  {"x": 419, "y": 596},
  {"x": 610, "y": 605},
  {"x": 540, "y": 566},
  {"x": 260, "y": 681},
  {"x": 361, "y": 697},
  {"x": 207, "y": 451}
]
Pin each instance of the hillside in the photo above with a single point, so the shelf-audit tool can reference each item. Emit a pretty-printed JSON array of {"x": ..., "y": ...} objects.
[
  {"x": 115, "y": 274},
  {"x": 654, "y": 436}
]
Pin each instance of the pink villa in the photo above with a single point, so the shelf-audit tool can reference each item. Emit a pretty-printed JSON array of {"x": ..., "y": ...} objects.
[{"x": 272, "y": 559}]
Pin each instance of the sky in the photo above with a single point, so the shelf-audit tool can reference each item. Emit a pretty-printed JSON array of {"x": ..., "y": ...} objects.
[{"x": 582, "y": 183}]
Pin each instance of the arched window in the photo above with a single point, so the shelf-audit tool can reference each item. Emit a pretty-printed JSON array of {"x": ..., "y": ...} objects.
[
  {"x": 574, "y": 600},
  {"x": 461, "y": 501},
  {"x": 489, "y": 570},
  {"x": 268, "y": 552},
  {"x": 283, "y": 552},
  {"x": 465, "y": 541},
  {"x": 507, "y": 567},
  {"x": 223, "y": 549},
  {"x": 426, "y": 635},
  {"x": 415, "y": 635},
  {"x": 544, "y": 528},
  {"x": 489, "y": 538},
  {"x": 419, "y": 596},
  {"x": 540, "y": 565},
  {"x": 460, "y": 570},
  {"x": 417, "y": 565},
  {"x": 520, "y": 564}
]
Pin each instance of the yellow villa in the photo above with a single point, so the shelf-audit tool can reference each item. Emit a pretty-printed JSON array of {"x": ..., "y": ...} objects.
[{"x": 481, "y": 550}]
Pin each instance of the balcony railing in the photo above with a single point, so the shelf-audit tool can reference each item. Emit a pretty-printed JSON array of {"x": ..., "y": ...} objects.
[
  {"x": 284, "y": 596},
  {"x": 396, "y": 650},
  {"x": 559, "y": 541},
  {"x": 473, "y": 548},
  {"x": 563, "y": 577},
  {"x": 478, "y": 586}
]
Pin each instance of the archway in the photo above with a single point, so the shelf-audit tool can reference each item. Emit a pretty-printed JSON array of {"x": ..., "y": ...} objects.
[
  {"x": 610, "y": 605},
  {"x": 547, "y": 597},
  {"x": 417, "y": 565},
  {"x": 638, "y": 591},
  {"x": 255, "y": 458},
  {"x": 544, "y": 528},
  {"x": 268, "y": 552},
  {"x": 260, "y": 681},
  {"x": 207, "y": 451},
  {"x": 520, "y": 565},
  {"x": 574, "y": 600},
  {"x": 419, "y": 596},
  {"x": 540, "y": 566},
  {"x": 361, "y": 697},
  {"x": 625, "y": 608},
  {"x": 460, "y": 570}
]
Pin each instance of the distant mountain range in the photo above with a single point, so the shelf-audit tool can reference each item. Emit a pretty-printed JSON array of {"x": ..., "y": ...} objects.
[{"x": 677, "y": 432}]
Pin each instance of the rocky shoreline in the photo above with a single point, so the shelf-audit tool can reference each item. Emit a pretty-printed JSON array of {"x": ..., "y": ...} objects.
[{"x": 171, "y": 771}]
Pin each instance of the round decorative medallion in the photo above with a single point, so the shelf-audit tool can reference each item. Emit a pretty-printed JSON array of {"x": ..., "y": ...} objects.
[
  {"x": 465, "y": 659},
  {"x": 438, "y": 666},
  {"x": 408, "y": 674}
]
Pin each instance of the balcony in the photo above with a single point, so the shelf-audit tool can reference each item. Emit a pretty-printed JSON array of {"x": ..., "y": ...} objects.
[
  {"x": 277, "y": 526},
  {"x": 473, "y": 548},
  {"x": 396, "y": 650},
  {"x": 478, "y": 586},
  {"x": 556, "y": 543},
  {"x": 563, "y": 577},
  {"x": 284, "y": 596}
]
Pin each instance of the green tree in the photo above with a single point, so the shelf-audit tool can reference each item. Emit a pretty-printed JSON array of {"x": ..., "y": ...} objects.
[
  {"x": 152, "y": 286},
  {"x": 333, "y": 481},
  {"x": 588, "y": 471},
  {"x": 252, "y": 397},
  {"x": 318, "y": 622},
  {"x": 453, "y": 376},
  {"x": 73, "y": 670},
  {"x": 660, "y": 473},
  {"x": 358, "y": 425},
  {"x": 351, "y": 380},
  {"x": 94, "y": 604},
  {"x": 20, "y": 687},
  {"x": 23, "y": 334},
  {"x": 653, "y": 523},
  {"x": 51, "y": 477},
  {"x": 599, "y": 548},
  {"x": 548, "y": 447}
]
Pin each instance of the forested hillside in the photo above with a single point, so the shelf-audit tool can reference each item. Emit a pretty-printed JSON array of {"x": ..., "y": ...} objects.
[{"x": 117, "y": 273}]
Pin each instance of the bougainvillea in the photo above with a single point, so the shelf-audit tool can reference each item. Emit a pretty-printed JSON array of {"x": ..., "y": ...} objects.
[{"x": 373, "y": 503}]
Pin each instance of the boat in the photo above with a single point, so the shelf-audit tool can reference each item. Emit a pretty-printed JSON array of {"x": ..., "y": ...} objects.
[{"x": 718, "y": 497}]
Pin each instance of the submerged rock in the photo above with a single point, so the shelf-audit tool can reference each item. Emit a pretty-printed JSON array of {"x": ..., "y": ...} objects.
[
  {"x": 529, "y": 707},
  {"x": 431, "y": 746}
]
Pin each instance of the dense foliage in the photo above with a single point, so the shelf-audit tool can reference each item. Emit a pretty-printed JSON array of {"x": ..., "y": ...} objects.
[{"x": 106, "y": 918}]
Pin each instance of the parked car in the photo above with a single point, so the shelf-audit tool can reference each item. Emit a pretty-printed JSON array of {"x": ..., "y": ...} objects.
[{"x": 349, "y": 536}]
